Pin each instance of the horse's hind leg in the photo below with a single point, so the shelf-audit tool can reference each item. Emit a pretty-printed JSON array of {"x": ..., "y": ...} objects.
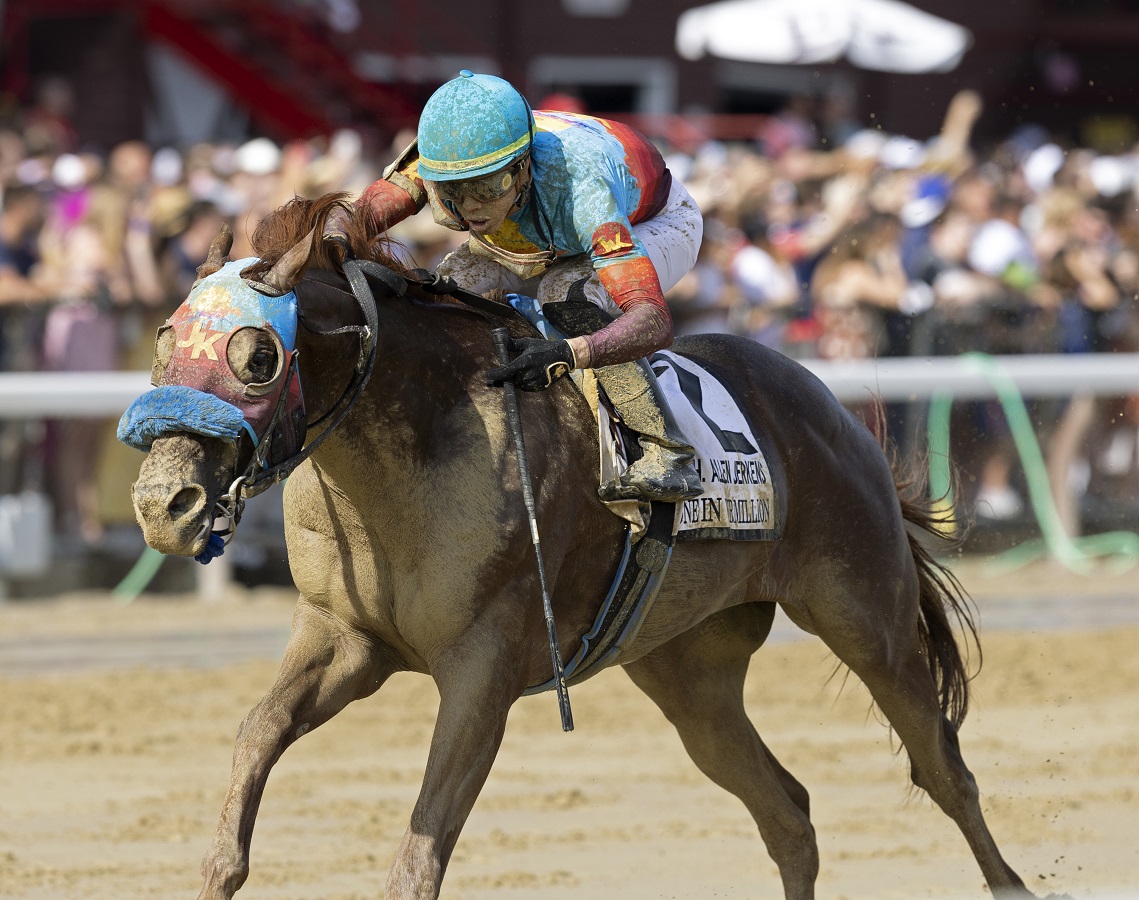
[
  {"x": 326, "y": 666},
  {"x": 697, "y": 681},
  {"x": 893, "y": 665}
]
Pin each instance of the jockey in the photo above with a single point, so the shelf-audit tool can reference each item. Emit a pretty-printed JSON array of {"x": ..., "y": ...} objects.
[{"x": 557, "y": 205}]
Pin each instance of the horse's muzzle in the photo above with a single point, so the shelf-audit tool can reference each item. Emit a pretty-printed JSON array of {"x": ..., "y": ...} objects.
[
  {"x": 175, "y": 522},
  {"x": 177, "y": 488}
]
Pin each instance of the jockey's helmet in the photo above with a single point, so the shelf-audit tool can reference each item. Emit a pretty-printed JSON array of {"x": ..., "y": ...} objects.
[{"x": 471, "y": 126}]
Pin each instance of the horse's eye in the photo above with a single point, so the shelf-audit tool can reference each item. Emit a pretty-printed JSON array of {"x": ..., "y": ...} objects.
[
  {"x": 263, "y": 362},
  {"x": 252, "y": 355}
]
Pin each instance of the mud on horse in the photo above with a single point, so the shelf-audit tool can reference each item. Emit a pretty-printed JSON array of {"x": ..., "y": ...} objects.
[{"x": 411, "y": 550}]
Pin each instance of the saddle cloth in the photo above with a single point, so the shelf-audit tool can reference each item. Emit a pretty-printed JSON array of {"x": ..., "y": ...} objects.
[{"x": 739, "y": 500}]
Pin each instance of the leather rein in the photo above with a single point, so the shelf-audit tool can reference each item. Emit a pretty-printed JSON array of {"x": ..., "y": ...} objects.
[{"x": 258, "y": 477}]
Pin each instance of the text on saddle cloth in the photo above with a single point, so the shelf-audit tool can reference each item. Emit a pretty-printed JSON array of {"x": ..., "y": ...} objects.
[{"x": 739, "y": 500}]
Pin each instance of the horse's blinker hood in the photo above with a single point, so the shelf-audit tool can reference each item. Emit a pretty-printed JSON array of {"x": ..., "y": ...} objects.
[{"x": 197, "y": 387}]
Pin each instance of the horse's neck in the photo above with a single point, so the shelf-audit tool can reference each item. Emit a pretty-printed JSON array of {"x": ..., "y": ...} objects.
[{"x": 427, "y": 357}]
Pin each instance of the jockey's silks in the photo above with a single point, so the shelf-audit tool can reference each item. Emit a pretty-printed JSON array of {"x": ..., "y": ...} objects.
[{"x": 594, "y": 180}]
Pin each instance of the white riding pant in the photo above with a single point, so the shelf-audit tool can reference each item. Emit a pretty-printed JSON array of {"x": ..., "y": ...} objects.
[{"x": 671, "y": 238}]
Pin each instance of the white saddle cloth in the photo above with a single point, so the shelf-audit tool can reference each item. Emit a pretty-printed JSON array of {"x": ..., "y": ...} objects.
[{"x": 739, "y": 500}]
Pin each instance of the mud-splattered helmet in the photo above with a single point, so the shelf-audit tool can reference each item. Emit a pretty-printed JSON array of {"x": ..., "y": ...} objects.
[{"x": 471, "y": 126}]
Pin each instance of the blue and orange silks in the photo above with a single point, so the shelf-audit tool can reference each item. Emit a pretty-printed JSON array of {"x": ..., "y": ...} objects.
[
  {"x": 594, "y": 178},
  {"x": 198, "y": 391}
]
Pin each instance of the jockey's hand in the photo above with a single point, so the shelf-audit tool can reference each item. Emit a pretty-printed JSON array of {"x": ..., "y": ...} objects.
[{"x": 539, "y": 364}]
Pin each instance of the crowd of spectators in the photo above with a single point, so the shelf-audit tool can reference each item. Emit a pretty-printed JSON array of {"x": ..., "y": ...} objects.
[{"x": 823, "y": 238}]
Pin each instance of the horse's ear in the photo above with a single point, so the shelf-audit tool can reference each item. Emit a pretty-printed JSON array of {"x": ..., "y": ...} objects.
[
  {"x": 219, "y": 252},
  {"x": 287, "y": 270}
]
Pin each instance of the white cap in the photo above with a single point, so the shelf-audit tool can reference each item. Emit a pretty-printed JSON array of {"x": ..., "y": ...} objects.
[
  {"x": 259, "y": 156},
  {"x": 1041, "y": 166},
  {"x": 166, "y": 166},
  {"x": 865, "y": 144},
  {"x": 1110, "y": 175},
  {"x": 997, "y": 245},
  {"x": 69, "y": 172},
  {"x": 901, "y": 153}
]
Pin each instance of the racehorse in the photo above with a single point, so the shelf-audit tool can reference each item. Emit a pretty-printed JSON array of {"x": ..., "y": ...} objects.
[{"x": 411, "y": 551}]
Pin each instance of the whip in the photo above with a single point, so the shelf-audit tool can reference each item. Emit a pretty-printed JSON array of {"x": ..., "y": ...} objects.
[{"x": 501, "y": 344}]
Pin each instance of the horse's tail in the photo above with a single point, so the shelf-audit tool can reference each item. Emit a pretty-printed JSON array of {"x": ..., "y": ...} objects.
[{"x": 942, "y": 600}]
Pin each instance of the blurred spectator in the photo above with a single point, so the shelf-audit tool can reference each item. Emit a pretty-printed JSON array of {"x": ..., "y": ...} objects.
[
  {"x": 768, "y": 286},
  {"x": 184, "y": 246},
  {"x": 48, "y": 128},
  {"x": 703, "y": 300},
  {"x": 860, "y": 278},
  {"x": 823, "y": 237},
  {"x": 22, "y": 216}
]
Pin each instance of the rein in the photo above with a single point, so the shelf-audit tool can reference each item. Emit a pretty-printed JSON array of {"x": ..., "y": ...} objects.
[{"x": 256, "y": 477}]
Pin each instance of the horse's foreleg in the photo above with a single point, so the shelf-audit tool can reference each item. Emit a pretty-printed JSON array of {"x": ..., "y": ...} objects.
[
  {"x": 326, "y": 666},
  {"x": 697, "y": 681},
  {"x": 474, "y": 699}
]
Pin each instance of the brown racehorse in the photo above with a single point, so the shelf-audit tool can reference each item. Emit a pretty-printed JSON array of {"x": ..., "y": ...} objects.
[{"x": 411, "y": 550}]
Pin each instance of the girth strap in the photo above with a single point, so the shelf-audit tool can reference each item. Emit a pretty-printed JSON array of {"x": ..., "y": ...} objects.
[{"x": 639, "y": 576}]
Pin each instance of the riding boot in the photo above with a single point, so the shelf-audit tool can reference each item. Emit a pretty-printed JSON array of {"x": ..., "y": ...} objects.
[{"x": 664, "y": 471}]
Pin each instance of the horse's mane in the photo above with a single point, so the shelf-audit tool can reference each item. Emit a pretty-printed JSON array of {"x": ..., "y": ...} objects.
[{"x": 302, "y": 219}]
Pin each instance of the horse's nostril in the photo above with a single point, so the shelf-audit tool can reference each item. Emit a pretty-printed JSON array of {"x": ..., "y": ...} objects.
[{"x": 185, "y": 502}]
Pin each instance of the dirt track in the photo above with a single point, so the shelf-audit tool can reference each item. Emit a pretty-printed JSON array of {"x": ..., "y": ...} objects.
[{"x": 112, "y": 774}]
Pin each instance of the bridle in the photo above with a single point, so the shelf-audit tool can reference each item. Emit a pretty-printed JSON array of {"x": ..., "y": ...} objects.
[{"x": 257, "y": 476}]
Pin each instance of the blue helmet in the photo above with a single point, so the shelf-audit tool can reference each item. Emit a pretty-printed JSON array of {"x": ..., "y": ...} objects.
[{"x": 471, "y": 126}]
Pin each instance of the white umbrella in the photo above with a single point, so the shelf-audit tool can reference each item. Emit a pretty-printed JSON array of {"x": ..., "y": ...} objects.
[{"x": 886, "y": 35}]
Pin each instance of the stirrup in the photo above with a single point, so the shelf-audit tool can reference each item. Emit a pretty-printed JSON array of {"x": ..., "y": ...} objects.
[{"x": 662, "y": 473}]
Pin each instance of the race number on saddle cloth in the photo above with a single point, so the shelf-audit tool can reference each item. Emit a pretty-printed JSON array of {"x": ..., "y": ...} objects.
[
  {"x": 741, "y": 499},
  {"x": 196, "y": 388}
]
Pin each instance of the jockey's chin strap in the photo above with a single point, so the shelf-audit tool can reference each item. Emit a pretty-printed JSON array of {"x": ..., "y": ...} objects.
[{"x": 257, "y": 476}]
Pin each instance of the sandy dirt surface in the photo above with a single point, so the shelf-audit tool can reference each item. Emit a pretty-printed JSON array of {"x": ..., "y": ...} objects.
[{"x": 118, "y": 725}]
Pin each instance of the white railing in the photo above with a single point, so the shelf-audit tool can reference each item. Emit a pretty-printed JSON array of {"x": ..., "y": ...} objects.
[{"x": 107, "y": 394}]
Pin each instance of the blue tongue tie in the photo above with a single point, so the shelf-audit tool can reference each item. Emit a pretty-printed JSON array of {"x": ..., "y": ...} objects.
[{"x": 214, "y": 549}]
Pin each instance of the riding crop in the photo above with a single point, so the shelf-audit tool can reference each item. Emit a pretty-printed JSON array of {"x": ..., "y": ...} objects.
[{"x": 501, "y": 343}]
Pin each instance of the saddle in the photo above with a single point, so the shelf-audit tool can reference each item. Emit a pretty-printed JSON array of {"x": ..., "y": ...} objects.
[{"x": 739, "y": 502}]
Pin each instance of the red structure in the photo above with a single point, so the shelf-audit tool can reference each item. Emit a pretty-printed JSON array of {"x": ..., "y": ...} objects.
[
  {"x": 293, "y": 81},
  {"x": 1065, "y": 64}
]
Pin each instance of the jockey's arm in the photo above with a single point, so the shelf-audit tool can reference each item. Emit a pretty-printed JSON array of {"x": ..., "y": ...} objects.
[
  {"x": 397, "y": 195},
  {"x": 645, "y": 323},
  {"x": 390, "y": 202},
  {"x": 392, "y": 198}
]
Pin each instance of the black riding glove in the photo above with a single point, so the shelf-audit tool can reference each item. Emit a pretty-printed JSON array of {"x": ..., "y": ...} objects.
[{"x": 539, "y": 364}]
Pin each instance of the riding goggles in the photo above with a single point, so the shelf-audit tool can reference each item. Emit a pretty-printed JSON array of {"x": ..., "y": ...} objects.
[{"x": 483, "y": 190}]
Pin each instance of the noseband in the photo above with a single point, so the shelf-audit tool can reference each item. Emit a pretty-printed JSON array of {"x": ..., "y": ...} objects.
[
  {"x": 198, "y": 410},
  {"x": 257, "y": 475}
]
